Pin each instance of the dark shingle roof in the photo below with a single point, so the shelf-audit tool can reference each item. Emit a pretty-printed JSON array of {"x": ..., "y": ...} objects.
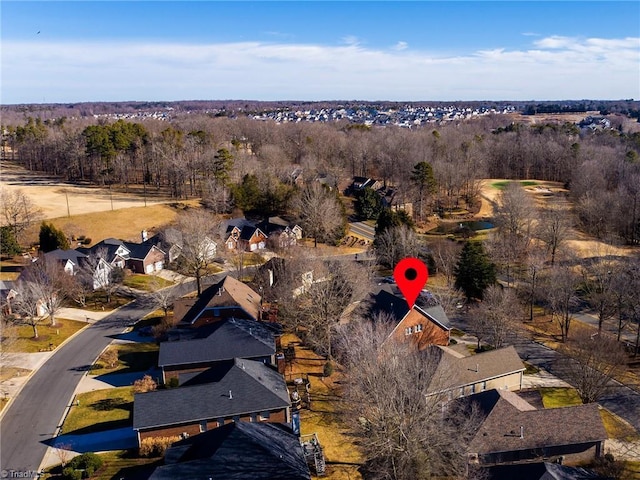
[
  {"x": 506, "y": 418},
  {"x": 254, "y": 387},
  {"x": 389, "y": 299},
  {"x": 74, "y": 255},
  {"x": 107, "y": 248},
  {"x": 224, "y": 340},
  {"x": 237, "y": 451},
  {"x": 542, "y": 471}
]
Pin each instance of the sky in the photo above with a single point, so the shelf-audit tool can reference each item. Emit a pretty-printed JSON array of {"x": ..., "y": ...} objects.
[{"x": 78, "y": 51}]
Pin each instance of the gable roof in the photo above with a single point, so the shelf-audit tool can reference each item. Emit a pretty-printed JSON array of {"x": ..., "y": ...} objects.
[
  {"x": 62, "y": 255},
  {"x": 239, "y": 451},
  {"x": 139, "y": 251},
  {"x": 228, "y": 292},
  {"x": 254, "y": 387},
  {"x": 223, "y": 340},
  {"x": 108, "y": 246},
  {"x": 248, "y": 231},
  {"x": 455, "y": 371},
  {"x": 505, "y": 418}
]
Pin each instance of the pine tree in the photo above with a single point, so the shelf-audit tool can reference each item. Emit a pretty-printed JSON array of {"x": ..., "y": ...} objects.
[
  {"x": 51, "y": 238},
  {"x": 474, "y": 271}
]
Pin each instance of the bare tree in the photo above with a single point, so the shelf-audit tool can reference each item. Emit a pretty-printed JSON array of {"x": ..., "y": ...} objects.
[
  {"x": 560, "y": 284},
  {"x": 50, "y": 284},
  {"x": 598, "y": 283},
  {"x": 396, "y": 243},
  {"x": 197, "y": 247},
  {"x": 389, "y": 405},
  {"x": 445, "y": 255},
  {"x": 26, "y": 305},
  {"x": 18, "y": 210},
  {"x": 336, "y": 284},
  {"x": 320, "y": 212},
  {"x": 553, "y": 229},
  {"x": 590, "y": 362},
  {"x": 497, "y": 317}
]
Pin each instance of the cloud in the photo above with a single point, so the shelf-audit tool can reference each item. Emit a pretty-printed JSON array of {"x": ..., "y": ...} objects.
[
  {"x": 401, "y": 46},
  {"x": 553, "y": 68}
]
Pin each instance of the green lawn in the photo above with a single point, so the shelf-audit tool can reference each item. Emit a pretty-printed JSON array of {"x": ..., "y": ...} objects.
[
  {"x": 554, "y": 397},
  {"x": 100, "y": 410},
  {"x": 501, "y": 185},
  {"x": 132, "y": 357},
  {"x": 48, "y": 337},
  {"x": 126, "y": 464},
  {"x": 147, "y": 283}
]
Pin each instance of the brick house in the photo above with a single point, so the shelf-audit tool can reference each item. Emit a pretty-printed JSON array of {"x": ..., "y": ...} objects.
[
  {"x": 242, "y": 390},
  {"x": 242, "y": 451}
]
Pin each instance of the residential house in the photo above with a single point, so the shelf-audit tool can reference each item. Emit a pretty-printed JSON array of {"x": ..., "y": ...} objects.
[
  {"x": 171, "y": 241},
  {"x": 195, "y": 350},
  {"x": 423, "y": 325},
  {"x": 138, "y": 257},
  {"x": 542, "y": 471},
  {"x": 360, "y": 183},
  {"x": 111, "y": 250},
  {"x": 75, "y": 262},
  {"x": 279, "y": 275},
  {"x": 280, "y": 232},
  {"x": 252, "y": 239},
  {"x": 227, "y": 298},
  {"x": 239, "y": 451},
  {"x": 7, "y": 294},
  {"x": 459, "y": 375},
  {"x": 243, "y": 390},
  {"x": 513, "y": 431},
  {"x": 394, "y": 199}
]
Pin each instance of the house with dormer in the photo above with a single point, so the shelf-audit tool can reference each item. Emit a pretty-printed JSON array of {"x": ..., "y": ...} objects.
[
  {"x": 227, "y": 298},
  {"x": 96, "y": 270}
]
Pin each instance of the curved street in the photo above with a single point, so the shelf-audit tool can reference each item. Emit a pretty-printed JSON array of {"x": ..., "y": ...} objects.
[{"x": 36, "y": 413}]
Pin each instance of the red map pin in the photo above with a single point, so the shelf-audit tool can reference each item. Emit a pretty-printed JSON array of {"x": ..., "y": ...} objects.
[{"x": 410, "y": 275}]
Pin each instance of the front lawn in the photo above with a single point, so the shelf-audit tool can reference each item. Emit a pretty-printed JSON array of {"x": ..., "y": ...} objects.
[
  {"x": 554, "y": 397},
  {"x": 132, "y": 357},
  {"x": 100, "y": 410},
  {"x": 148, "y": 283},
  {"x": 48, "y": 337}
]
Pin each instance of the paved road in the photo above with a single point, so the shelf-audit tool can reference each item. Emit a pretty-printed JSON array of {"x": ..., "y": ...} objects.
[
  {"x": 36, "y": 413},
  {"x": 362, "y": 230}
]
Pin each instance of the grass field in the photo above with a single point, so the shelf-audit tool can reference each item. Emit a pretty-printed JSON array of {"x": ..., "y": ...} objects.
[
  {"x": 125, "y": 224},
  {"x": 100, "y": 410},
  {"x": 147, "y": 283},
  {"x": 47, "y": 336},
  {"x": 132, "y": 357}
]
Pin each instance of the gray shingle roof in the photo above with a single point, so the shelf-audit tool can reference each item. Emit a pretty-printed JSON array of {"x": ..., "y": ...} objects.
[
  {"x": 505, "y": 420},
  {"x": 254, "y": 387},
  {"x": 237, "y": 451},
  {"x": 224, "y": 340}
]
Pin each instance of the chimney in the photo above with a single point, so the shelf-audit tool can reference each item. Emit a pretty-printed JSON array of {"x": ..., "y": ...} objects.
[
  {"x": 521, "y": 431},
  {"x": 230, "y": 396}
]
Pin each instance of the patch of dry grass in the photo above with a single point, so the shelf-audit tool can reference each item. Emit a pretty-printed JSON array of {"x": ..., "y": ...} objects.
[
  {"x": 341, "y": 453},
  {"x": 617, "y": 428},
  {"x": 125, "y": 224},
  {"x": 47, "y": 335}
]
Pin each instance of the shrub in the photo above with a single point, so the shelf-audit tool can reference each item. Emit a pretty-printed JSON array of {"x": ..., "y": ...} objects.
[
  {"x": 109, "y": 358},
  {"x": 86, "y": 241},
  {"x": 144, "y": 384},
  {"x": 70, "y": 473},
  {"x": 156, "y": 446},
  {"x": 86, "y": 461},
  {"x": 327, "y": 371},
  {"x": 173, "y": 383}
]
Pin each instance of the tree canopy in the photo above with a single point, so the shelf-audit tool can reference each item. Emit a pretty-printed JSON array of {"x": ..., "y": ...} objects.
[{"x": 474, "y": 271}]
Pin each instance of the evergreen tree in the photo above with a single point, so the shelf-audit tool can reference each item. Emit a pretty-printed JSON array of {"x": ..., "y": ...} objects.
[
  {"x": 51, "y": 238},
  {"x": 389, "y": 218},
  {"x": 423, "y": 178},
  {"x": 8, "y": 243},
  {"x": 368, "y": 204},
  {"x": 474, "y": 271}
]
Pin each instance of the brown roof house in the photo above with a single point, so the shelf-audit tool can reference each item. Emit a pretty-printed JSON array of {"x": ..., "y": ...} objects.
[
  {"x": 227, "y": 298},
  {"x": 196, "y": 350},
  {"x": 238, "y": 451},
  {"x": 513, "y": 431},
  {"x": 423, "y": 325},
  {"x": 460, "y": 375},
  {"x": 241, "y": 390}
]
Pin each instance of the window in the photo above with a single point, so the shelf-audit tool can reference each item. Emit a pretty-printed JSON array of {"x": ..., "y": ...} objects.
[
  {"x": 417, "y": 328},
  {"x": 203, "y": 426},
  {"x": 407, "y": 331},
  {"x": 264, "y": 416}
]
